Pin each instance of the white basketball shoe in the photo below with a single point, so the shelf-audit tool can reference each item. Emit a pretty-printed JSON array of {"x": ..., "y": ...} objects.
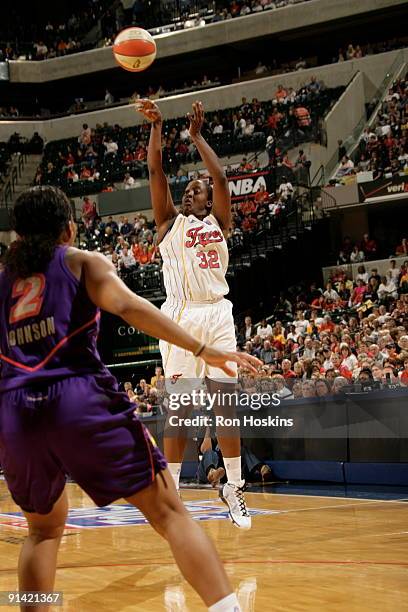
[{"x": 233, "y": 497}]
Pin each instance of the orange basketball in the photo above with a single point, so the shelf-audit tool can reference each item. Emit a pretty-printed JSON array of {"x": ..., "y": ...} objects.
[{"x": 134, "y": 49}]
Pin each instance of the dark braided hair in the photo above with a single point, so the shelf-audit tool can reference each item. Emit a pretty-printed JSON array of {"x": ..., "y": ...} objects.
[{"x": 39, "y": 216}]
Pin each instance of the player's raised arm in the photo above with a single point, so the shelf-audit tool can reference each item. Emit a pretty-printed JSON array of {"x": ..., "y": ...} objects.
[
  {"x": 108, "y": 292},
  {"x": 162, "y": 202},
  {"x": 221, "y": 196}
]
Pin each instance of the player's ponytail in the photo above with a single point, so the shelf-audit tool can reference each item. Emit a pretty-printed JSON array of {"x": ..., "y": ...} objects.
[{"x": 39, "y": 217}]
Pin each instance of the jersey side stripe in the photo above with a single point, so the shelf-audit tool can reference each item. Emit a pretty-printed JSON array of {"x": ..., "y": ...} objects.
[
  {"x": 184, "y": 261},
  {"x": 56, "y": 348},
  {"x": 181, "y": 287}
]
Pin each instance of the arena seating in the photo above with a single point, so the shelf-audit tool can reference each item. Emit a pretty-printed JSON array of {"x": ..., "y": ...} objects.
[
  {"x": 28, "y": 107},
  {"x": 60, "y": 157},
  {"x": 383, "y": 148},
  {"x": 57, "y": 37},
  {"x": 317, "y": 344}
]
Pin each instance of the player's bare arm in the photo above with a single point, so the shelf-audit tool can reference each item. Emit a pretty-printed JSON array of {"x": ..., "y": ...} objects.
[
  {"x": 164, "y": 210},
  {"x": 221, "y": 208},
  {"x": 108, "y": 292}
]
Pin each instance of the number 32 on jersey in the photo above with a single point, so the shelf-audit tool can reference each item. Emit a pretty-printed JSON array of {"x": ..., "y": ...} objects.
[
  {"x": 209, "y": 259},
  {"x": 30, "y": 292}
]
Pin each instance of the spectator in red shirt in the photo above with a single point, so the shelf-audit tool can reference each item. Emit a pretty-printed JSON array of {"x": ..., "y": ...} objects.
[
  {"x": 144, "y": 256},
  {"x": 327, "y": 325},
  {"x": 369, "y": 247},
  {"x": 287, "y": 369},
  {"x": 358, "y": 292},
  {"x": 261, "y": 195},
  {"x": 286, "y": 161},
  {"x": 245, "y": 166},
  {"x": 137, "y": 249},
  {"x": 72, "y": 175},
  {"x": 274, "y": 118},
  {"x": 248, "y": 206},
  {"x": 70, "y": 159},
  {"x": 402, "y": 249},
  {"x": 249, "y": 224},
  {"x": 280, "y": 93},
  {"x": 85, "y": 173},
  {"x": 88, "y": 211},
  {"x": 318, "y": 304},
  {"x": 140, "y": 153},
  {"x": 127, "y": 157}
]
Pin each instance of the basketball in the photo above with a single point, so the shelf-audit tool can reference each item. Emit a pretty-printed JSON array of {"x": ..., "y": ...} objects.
[{"x": 134, "y": 49}]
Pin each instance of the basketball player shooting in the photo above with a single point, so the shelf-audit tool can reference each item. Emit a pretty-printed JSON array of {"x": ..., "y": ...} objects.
[
  {"x": 60, "y": 411},
  {"x": 195, "y": 259}
]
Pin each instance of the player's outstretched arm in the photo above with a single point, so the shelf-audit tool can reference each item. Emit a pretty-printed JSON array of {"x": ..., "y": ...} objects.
[
  {"x": 162, "y": 202},
  {"x": 108, "y": 292},
  {"x": 221, "y": 196}
]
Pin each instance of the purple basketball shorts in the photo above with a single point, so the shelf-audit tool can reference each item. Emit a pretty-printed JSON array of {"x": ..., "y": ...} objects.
[{"x": 80, "y": 426}]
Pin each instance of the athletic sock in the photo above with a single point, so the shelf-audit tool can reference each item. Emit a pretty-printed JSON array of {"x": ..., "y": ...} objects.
[
  {"x": 175, "y": 469},
  {"x": 227, "y": 604},
  {"x": 233, "y": 469}
]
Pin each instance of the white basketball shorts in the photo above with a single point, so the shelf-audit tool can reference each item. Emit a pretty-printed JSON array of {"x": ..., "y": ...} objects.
[{"x": 211, "y": 323}]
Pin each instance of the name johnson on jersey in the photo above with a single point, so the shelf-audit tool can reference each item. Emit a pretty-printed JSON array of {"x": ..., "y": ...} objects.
[{"x": 31, "y": 333}]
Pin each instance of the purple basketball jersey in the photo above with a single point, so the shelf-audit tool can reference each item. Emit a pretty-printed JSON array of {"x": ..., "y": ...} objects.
[{"x": 48, "y": 327}]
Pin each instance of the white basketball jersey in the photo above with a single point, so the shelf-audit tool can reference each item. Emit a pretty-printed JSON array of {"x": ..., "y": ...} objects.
[{"x": 195, "y": 260}]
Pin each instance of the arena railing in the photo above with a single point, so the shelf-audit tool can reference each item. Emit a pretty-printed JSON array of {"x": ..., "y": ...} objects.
[
  {"x": 14, "y": 174},
  {"x": 273, "y": 232}
]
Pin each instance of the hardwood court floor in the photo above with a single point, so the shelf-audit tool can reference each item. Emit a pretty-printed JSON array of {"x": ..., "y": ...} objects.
[{"x": 315, "y": 553}]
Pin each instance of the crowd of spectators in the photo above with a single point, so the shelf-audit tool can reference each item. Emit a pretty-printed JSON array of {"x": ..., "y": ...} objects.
[
  {"x": 55, "y": 38},
  {"x": 323, "y": 341},
  {"x": 383, "y": 147},
  {"x": 103, "y": 155},
  {"x": 187, "y": 14},
  {"x": 317, "y": 344},
  {"x": 367, "y": 249},
  {"x": 357, "y": 51},
  {"x": 110, "y": 98},
  {"x": 129, "y": 244},
  {"x": 147, "y": 396},
  {"x": 269, "y": 205}
]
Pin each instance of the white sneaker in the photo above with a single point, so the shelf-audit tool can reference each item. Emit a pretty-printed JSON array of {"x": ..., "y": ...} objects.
[{"x": 233, "y": 497}]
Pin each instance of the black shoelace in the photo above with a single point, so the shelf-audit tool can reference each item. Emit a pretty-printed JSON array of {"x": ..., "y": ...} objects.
[{"x": 241, "y": 500}]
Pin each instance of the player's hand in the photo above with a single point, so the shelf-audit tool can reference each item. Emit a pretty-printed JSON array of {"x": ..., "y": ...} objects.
[
  {"x": 219, "y": 359},
  {"x": 149, "y": 110},
  {"x": 196, "y": 119}
]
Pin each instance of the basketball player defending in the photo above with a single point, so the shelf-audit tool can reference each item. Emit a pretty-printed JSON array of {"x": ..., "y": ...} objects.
[
  {"x": 195, "y": 260},
  {"x": 60, "y": 411}
]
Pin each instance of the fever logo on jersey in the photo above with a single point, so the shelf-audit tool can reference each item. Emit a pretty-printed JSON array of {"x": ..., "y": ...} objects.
[
  {"x": 202, "y": 238},
  {"x": 175, "y": 377}
]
